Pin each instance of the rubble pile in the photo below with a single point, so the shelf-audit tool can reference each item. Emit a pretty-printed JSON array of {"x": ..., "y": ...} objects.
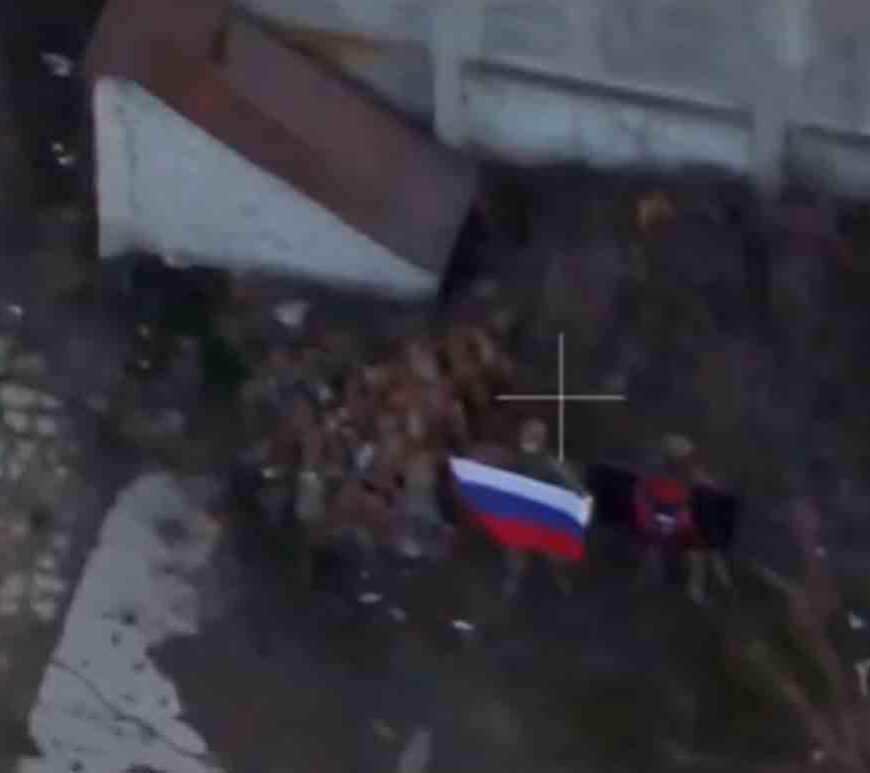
[
  {"x": 33, "y": 419},
  {"x": 38, "y": 496}
]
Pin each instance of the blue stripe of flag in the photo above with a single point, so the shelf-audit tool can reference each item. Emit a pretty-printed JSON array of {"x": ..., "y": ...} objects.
[{"x": 492, "y": 501}]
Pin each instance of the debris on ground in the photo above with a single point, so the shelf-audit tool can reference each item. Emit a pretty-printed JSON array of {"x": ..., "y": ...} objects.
[
  {"x": 653, "y": 209},
  {"x": 293, "y": 313},
  {"x": 857, "y": 623},
  {"x": 416, "y": 756},
  {"x": 60, "y": 66},
  {"x": 166, "y": 424}
]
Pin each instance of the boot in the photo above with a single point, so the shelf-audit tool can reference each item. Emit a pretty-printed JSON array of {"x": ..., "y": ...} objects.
[
  {"x": 517, "y": 563},
  {"x": 562, "y": 577},
  {"x": 721, "y": 571}
]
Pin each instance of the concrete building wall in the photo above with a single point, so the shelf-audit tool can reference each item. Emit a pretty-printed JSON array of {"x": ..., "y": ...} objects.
[{"x": 686, "y": 71}]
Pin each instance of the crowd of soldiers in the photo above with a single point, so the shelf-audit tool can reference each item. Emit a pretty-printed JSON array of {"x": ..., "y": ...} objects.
[{"x": 364, "y": 455}]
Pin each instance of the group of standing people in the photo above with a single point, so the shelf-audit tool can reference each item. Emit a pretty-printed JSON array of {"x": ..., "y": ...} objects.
[
  {"x": 365, "y": 459},
  {"x": 668, "y": 523}
]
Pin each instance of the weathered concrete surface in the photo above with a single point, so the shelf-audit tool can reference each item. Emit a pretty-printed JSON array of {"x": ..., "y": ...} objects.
[
  {"x": 404, "y": 195},
  {"x": 524, "y": 119},
  {"x": 51, "y": 506},
  {"x": 369, "y": 168},
  {"x": 103, "y": 705},
  {"x": 788, "y": 64},
  {"x": 220, "y": 209}
]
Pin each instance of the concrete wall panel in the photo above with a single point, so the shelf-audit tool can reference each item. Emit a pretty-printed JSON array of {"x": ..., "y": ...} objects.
[
  {"x": 790, "y": 64},
  {"x": 532, "y": 122}
]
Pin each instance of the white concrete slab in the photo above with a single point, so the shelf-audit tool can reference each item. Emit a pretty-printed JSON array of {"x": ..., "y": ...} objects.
[
  {"x": 103, "y": 705},
  {"x": 168, "y": 187}
]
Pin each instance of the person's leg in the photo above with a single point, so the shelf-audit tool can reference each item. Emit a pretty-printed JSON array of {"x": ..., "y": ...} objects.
[
  {"x": 696, "y": 566},
  {"x": 720, "y": 569},
  {"x": 651, "y": 569},
  {"x": 561, "y": 569},
  {"x": 368, "y": 551},
  {"x": 516, "y": 565}
]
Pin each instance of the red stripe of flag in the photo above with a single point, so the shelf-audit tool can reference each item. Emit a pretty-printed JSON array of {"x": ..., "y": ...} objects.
[{"x": 523, "y": 535}]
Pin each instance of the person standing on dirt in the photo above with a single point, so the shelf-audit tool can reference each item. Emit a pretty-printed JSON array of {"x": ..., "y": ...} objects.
[
  {"x": 309, "y": 489},
  {"x": 717, "y": 514},
  {"x": 665, "y": 519},
  {"x": 533, "y": 460},
  {"x": 421, "y": 527}
]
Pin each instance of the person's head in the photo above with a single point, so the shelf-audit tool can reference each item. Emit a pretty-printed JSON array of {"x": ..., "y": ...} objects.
[
  {"x": 417, "y": 429},
  {"x": 678, "y": 453},
  {"x": 423, "y": 360},
  {"x": 376, "y": 378},
  {"x": 533, "y": 436},
  {"x": 483, "y": 347}
]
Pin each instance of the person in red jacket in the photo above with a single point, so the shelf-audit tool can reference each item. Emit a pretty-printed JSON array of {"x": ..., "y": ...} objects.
[{"x": 664, "y": 517}]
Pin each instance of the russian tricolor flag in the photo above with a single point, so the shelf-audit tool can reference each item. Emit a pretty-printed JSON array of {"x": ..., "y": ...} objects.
[{"x": 524, "y": 513}]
